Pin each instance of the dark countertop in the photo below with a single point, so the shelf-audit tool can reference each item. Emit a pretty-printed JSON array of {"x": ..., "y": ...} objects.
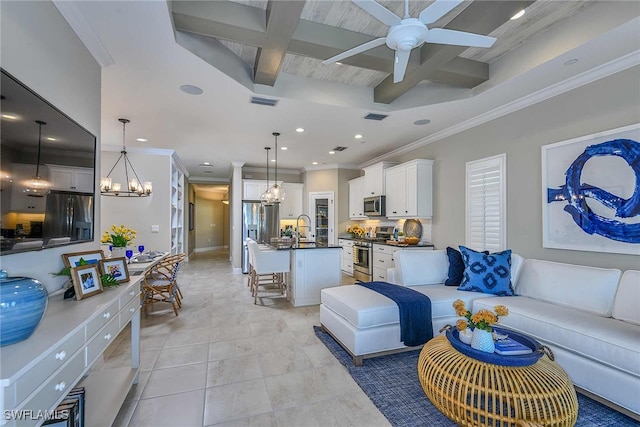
[
  {"x": 419, "y": 245},
  {"x": 308, "y": 246}
]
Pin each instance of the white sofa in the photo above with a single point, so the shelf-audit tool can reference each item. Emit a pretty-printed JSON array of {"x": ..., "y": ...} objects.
[{"x": 589, "y": 317}]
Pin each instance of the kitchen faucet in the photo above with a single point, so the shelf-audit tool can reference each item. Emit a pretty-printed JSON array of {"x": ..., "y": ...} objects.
[{"x": 298, "y": 227}]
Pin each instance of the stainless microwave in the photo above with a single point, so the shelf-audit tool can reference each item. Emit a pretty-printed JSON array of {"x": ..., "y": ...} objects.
[{"x": 374, "y": 206}]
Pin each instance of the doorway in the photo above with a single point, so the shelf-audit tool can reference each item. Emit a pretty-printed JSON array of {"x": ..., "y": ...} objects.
[{"x": 211, "y": 217}]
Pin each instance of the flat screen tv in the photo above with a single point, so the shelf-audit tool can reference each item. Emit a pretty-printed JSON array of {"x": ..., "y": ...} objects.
[{"x": 36, "y": 138}]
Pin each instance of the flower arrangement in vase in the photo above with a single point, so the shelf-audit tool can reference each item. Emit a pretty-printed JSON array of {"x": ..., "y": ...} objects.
[
  {"x": 356, "y": 231},
  {"x": 480, "y": 323},
  {"x": 119, "y": 237}
]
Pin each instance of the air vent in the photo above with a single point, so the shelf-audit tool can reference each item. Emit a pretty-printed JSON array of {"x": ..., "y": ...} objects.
[
  {"x": 264, "y": 101},
  {"x": 339, "y": 148},
  {"x": 374, "y": 116}
]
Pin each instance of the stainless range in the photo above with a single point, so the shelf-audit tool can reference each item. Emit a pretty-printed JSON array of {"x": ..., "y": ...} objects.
[{"x": 363, "y": 253}]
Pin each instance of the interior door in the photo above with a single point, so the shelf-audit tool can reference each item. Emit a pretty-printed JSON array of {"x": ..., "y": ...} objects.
[{"x": 322, "y": 218}]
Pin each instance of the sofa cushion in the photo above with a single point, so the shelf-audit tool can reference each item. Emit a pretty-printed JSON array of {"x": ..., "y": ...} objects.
[
  {"x": 456, "y": 267},
  {"x": 605, "y": 340},
  {"x": 625, "y": 305},
  {"x": 421, "y": 267},
  {"x": 489, "y": 274},
  {"x": 580, "y": 287},
  {"x": 361, "y": 307}
]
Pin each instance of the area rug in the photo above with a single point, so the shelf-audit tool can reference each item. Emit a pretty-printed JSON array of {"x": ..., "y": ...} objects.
[{"x": 392, "y": 384}]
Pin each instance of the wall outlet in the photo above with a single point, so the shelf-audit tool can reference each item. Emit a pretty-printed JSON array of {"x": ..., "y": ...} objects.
[{"x": 155, "y": 228}]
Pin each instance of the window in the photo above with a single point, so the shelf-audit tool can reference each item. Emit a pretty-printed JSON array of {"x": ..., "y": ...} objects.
[{"x": 486, "y": 213}]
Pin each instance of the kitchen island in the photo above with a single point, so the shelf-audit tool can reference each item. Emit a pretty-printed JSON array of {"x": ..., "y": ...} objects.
[{"x": 313, "y": 268}]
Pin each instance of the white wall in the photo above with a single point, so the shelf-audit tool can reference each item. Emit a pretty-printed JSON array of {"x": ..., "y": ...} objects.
[
  {"x": 211, "y": 227},
  {"x": 40, "y": 49},
  {"x": 608, "y": 103}
]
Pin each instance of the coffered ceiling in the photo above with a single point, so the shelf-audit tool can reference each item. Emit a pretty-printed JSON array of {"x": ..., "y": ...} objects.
[{"x": 234, "y": 50}]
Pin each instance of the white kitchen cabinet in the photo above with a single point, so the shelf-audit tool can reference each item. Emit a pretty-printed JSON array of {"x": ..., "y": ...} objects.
[
  {"x": 291, "y": 208},
  {"x": 383, "y": 258},
  {"x": 71, "y": 178},
  {"x": 38, "y": 372},
  {"x": 374, "y": 180},
  {"x": 254, "y": 188},
  {"x": 356, "y": 198},
  {"x": 409, "y": 189},
  {"x": 312, "y": 270},
  {"x": 346, "y": 264}
]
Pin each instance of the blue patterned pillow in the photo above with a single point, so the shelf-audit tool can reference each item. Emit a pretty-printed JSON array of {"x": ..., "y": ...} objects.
[
  {"x": 456, "y": 267},
  {"x": 490, "y": 273}
]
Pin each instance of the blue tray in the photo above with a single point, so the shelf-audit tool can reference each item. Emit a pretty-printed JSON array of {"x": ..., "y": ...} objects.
[{"x": 495, "y": 358}]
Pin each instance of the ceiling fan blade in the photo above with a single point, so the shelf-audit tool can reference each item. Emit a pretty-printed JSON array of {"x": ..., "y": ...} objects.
[
  {"x": 379, "y": 12},
  {"x": 400, "y": 64},
  {"x": 458, "y": 38},
  {"x": 437, "y": 10},
  {"x": 356, "y": 50}
]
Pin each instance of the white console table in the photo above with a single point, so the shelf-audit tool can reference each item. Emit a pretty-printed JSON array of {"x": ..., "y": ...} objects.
[{"x": 36, "y": 374}]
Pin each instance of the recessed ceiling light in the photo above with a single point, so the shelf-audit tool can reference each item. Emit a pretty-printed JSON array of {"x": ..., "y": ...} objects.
[
  {"x": 422, "y": 122},
  {"x": 299, "y": 130},
  {"x": 9, "y": 117},
  {"x": 518, "y": 15},
  {"x": 358, "y": 136},
  {"x": 49, "y": 138},
  {"x": 205, "y": 164},
  {"x": 314, "y": 163},
  {"x": 284, "y": 148},
  {"x": 191, "y": 89},
  {"x": 273, "y": 160},
  {"x": 338, "y": 63},
  {"x": 332, "y": 152},
  {"x": 141, "y": 139},
  {"x": 571, "y": 61}
]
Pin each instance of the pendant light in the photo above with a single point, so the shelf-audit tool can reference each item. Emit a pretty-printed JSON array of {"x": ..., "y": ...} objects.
[
  {"x": 265, "y": 197},
  {"x": 36, "y": 186},
  {"x": 276, "y": 192},
  {"x": 135, "y": 187}
]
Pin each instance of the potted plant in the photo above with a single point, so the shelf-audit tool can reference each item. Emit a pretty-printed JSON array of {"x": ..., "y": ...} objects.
[{"x": 480, "y": 323}]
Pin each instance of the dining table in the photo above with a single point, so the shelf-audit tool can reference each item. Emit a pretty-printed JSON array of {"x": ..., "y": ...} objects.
[{"x": 137, "y": 267}]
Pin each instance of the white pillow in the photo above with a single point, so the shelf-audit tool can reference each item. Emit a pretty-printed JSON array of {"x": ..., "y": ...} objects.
[
  {"x": 421, "y": 267},
  {"x": 625, "y": 305}
]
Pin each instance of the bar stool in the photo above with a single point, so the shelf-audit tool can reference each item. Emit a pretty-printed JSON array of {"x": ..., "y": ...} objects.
[{"x": 269, "y": 269}]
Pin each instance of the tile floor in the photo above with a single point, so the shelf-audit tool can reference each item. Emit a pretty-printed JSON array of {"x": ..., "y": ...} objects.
[{"x": 227, "y": 362}]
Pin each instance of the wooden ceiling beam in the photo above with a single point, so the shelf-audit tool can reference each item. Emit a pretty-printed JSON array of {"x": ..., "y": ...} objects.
[
  {"x": 282, "y": 20},
  {"x": 481, "y": 17}
]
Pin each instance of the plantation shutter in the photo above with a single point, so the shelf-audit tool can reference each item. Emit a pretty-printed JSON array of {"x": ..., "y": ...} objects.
[{"x": 486, "y": 222}]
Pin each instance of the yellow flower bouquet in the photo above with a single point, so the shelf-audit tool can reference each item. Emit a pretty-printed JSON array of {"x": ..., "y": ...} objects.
[
  {"x": 483, "y": 319},
  {"x": 356, "y": 230},
  {"x": 119, "y": 237}
]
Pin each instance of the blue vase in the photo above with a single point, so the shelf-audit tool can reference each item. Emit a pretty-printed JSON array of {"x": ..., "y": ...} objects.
[{"x": 22, "y": 304}]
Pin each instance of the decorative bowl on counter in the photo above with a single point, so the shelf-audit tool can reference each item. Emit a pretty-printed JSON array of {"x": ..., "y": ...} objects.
[{"x": 412, "y": 240}]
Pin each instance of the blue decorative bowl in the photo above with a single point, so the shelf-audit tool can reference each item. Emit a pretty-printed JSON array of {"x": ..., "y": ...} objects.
[{"x": 22, "y": 304}]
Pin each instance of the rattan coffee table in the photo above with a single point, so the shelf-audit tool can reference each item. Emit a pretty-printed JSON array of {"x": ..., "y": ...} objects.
[{"x": 474, "y": 393}]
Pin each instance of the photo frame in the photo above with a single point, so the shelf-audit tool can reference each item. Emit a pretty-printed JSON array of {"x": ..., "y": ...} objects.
[
  {"x": 91, "y": 257},
  {"x": 86, "y": 281},
  {"x": 116, "y": 268},
  {"x": 192, "y": 219},
  {"x": 589, "y": 185}
]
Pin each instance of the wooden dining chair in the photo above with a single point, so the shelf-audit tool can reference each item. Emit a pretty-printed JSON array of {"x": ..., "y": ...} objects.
[{"x": 160, "y": 283}]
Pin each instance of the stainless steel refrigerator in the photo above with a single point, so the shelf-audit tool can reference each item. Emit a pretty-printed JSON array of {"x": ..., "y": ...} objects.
[
  {"x": 68, "y": 215},
  {"x": 259, "y": 223}
]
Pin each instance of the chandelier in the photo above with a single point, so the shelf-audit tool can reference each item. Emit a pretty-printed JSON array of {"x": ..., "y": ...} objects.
[
  {"x": 275, "y": 194},
  {"x": 36, "y": 186},
  {"x": 135, "y": 187},
  {"x": 265, "y": 198}
]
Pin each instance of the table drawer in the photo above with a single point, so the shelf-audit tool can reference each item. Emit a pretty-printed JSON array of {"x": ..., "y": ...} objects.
[
  {"x": 133, "y": 293},
  {"x": 128, "y": 311},
  {"x": 27, "y": 383},
  {"x": 58, "y": 385},
  {"x": 102, "y": 339},
  {"x": 379, "y": 274},
  {"x": 99, "y": 321}
]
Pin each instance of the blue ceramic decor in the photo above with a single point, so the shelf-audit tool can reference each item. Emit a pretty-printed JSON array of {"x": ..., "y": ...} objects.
[{"x": 22, "y": 304}]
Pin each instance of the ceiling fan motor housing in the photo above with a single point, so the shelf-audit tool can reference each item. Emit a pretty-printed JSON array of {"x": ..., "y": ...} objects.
[{"x": 410, "y": 33}]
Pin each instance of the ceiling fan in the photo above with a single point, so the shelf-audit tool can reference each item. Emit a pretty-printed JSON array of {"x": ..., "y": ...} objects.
[{"x": 408, "y": 33}]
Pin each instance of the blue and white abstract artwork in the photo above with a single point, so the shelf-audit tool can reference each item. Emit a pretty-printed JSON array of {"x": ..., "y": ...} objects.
[{"x": 591, "y": 192}]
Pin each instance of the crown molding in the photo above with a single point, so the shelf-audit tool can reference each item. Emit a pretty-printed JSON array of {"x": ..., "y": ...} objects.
[
  {"x": 72, "y": 14},
  {"x": 331, "y": 166},
  {"x": 260, "y": 169},
  {"x": 605, "y": 70},
  {"x": 118, "y": 148}
]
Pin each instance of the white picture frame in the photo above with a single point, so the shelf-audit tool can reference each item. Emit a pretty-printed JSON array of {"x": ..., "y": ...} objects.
[{"x": 584, "y": 181}]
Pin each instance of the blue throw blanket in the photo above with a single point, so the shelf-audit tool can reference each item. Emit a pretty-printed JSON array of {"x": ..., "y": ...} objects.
[{"x": 414, "y": 309}]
